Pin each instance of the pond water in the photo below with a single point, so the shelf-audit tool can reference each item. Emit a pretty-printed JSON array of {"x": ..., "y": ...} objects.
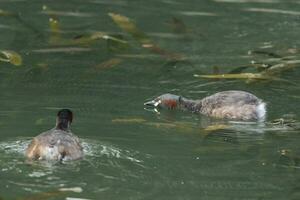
[{"x": 130, "y": 152}]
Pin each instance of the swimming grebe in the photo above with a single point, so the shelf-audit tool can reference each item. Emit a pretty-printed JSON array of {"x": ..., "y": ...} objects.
[
  {"x": 57, "y": 144},
  {"x": 233, "y": 104}
]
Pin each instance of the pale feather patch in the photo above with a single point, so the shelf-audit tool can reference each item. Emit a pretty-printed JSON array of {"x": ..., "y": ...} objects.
[
  {"x": 50, "y": 153},
  {"x": 157, "y": 103},
  {"x": 244, "y": 112},
  {"x": 261, "y": 111}
]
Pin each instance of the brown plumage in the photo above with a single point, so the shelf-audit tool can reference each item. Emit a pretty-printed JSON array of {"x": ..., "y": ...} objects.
[
  {"x": 233, "y": 104},
  {"x": 57, "y": 144}
]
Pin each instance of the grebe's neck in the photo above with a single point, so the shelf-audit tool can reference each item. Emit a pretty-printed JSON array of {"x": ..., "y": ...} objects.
[
  {"x": 63, "y": 124},
  {"x": 189, "y": 104}
]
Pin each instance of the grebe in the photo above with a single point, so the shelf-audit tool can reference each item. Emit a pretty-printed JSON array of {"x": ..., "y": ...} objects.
[
  {"x": 58, "y": 144},
  {"x": 232, "y": 104}
]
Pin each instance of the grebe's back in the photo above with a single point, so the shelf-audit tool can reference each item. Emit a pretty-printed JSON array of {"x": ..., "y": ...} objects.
[{"x": 58, "y": 143}]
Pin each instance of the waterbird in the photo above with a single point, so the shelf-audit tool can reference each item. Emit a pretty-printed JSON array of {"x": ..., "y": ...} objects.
[
  {"x": 58, "y": 143},
  {"x": 231, "y": 105}
]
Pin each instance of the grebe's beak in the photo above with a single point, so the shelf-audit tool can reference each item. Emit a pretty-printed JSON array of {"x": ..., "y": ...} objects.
[{"x": 152, "y": 103}]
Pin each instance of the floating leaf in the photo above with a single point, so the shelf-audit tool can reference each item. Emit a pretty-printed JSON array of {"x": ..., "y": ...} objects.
[
  {"x": 11, "y": 57},
  {"x": 236, "y": 76},
  {"x": 73, "y": 189}
]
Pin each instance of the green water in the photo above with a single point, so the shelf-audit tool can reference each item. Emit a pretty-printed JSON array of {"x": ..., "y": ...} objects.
[{"x": 132, "y": 153}]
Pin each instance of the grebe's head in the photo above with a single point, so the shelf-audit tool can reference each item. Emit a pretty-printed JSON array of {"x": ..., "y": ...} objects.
[
  {"x": 169, "y": 101},
  {"x": 64, "y": 119}
]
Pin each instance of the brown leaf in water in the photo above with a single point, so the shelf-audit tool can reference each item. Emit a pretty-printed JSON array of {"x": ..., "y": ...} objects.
[
  {"x": 178, "y": 26},
  {"x": 108, "y": 64},
  {"x": 216, "y": 127},
  {"x": 11, "y": 57}
]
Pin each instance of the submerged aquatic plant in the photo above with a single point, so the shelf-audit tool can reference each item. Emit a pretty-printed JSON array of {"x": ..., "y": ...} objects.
[
  {"x": 84, "y": 39},
  {"x": 17, "y": 17},
  {"x": 129, "y": 26},
  {"x": 5, "y": 13},
  {"x": 55, "y": 35},
  {"x": 107, "y": 64},
  {"x": 57, "y": 39},
  {"x": 11, "y": 57},
  {"x": 267, "y": 70},
  {"x": 178, "y": 26}
]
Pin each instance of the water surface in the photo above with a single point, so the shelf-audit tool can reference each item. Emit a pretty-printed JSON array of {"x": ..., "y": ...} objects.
[{"x": 132, "y": 153}]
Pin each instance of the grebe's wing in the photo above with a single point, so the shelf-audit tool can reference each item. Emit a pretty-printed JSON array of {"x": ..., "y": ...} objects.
[
  {"x": 32, "y": 151},
  {"x": 231, "y": 97}
]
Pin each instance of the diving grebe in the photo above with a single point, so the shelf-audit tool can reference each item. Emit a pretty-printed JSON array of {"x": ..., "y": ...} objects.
[
  {"x": 58, "y": 144},
  {"x": 233, "y": 104}
]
